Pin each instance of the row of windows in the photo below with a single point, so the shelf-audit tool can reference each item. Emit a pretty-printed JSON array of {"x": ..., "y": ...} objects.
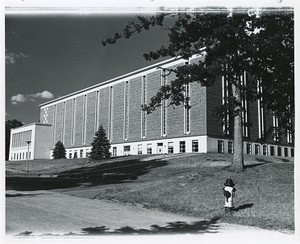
[
  {"x": 78, "y": 153},
  {"x": 281, "y": 151},
  {"x": 159, "y": 147},
  {"x": 20, "y": 139},
  {"x": 20, "y": 156}
]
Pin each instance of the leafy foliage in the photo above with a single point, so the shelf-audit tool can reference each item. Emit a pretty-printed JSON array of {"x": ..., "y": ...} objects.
[
  {"x": 100, "y": 145},
  {"x": 229, "y": 44},
  {"x": 59, "y": 151},
  {"x": 10, "y": 124}
]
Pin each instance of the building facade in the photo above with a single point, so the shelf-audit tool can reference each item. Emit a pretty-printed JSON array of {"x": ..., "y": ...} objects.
[
  {"x": 30, "y": 142},
  {"x": 116, "y": 105}
]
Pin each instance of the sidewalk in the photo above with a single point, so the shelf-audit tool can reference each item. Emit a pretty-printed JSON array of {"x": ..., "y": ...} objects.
[{"x": 44, "y": 213}]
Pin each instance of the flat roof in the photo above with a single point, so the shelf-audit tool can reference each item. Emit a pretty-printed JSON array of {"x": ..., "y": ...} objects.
[
  {"x": 34, "y": 123},
  {"x": 114, "y": 79}
]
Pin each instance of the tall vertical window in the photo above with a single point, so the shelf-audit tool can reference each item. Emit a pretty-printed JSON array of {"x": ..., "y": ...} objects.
[
  {"x": 163, "y": 106},
  {"x": 230, "y": 147},
  {"x": 195, "y": 146},
  {"x": 149, "y": 148},
  {"x": 97, "y": 111},
  {"x": 220, "y": 146},
  {"x": 170, "y": 147},
  {"x": 187, "y": 109},
  {"x": 257, "y": 149},
  {"x": 275, "y": 127},
  {"x": 265, "y": 150},
  {"x": 110, "y": 114},
  {"x": 144, "y": 101},
  {"x": 182, "y": 146},
  {"x": 290, "y": 123},
  {"x": 248, "y": 148},
  {"x": 261, "y": 111},
  {"x": 225, "y": 103},
  {"x": 245, "y": 122},
  {"x": 140, "y": 149},
  {"x": 126, "y": 111}
]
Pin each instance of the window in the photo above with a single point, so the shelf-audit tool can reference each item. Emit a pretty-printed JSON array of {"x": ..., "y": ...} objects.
[
  {"x": 272, "y": 150},
  {"x": 244, "y": 99},
  {"x": 23, "y": 155},
  {"x": 230, "y": 147},
  {"x": 170, "y": 147},
  {"x": 195, "y": 146},
  {"x": 226, "y": 92},
  {"x": 70, "y": 154},
  {"x": 256, "y": 149},
  {"x": 265, "y": 150},
  {"x": 26, "y": 155},
  {"x": 126, "y": 148},
  {"x": 292, "y": 152},
  {"x": 149, "y": 148},
  {"x": 261, "y": 110},
  {"x": 279, "y": 151},
  {"x": 29, "y": 155},
  {"x": 182, "y": 146},
  {"x": 81, "y": 153},
  {"x": 286, "y": 152},
  {"x": 17, "y": 156},
  {"x": 140, "y": 149},
  {"x": 187, "y": 109},
  {"x": 75, "y": 155},
  {"x": 248, "y": 148},
  {"x": 114, "y": 151},
  {"x": 220, "y": 146}
]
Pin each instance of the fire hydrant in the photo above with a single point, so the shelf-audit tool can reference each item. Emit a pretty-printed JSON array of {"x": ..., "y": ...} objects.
[{"x": 229, "y": 192}]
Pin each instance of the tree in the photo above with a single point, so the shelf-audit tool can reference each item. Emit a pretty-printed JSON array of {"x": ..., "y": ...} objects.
[
  {"x": 10, "y": 124},
  {"x": 230, "y": 44},
  {"x": 100, "y": 145},
  {"x": 59, "y": 151}
]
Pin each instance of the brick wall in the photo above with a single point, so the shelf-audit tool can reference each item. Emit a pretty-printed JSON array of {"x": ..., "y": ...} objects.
[
  {"x": 59, "y": 122},
  {"x": 214, "y": 100},
  {"x": 135, "y": 91},
  {"x": 68, "y": 123},
  {"x": 103, "y": 108},
  {"x": 79, "y": 119},
  {"x": 90, "y": 116},
  {"x": 153, "y": 119},
  {"x": 198, "y": 109},
  {"x": 118, "y": 112}
]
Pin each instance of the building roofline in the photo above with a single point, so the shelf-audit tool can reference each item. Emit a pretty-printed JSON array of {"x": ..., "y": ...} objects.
[
  {"x": 34, "y": 123},
  {"x": 113, "y": 79}
]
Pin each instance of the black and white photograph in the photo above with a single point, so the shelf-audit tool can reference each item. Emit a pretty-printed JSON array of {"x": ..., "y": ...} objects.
[{"x": 133, "y": 121}]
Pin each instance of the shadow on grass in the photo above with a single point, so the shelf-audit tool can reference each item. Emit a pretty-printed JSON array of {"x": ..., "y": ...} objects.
[
  {"x": 177, "y": 227},
  {"x": 23, "y": 195},
  {"x": 242, "y": 207},
  {"x": 107, "y": 173}
]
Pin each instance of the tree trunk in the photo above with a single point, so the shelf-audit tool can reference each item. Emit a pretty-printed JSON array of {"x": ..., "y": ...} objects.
[{"x": 238, "y": 156}]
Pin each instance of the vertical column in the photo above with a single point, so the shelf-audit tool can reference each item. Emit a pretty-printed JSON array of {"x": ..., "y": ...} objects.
[
  {"x": 110, "y": 115},
  {"x": 73, "y": 121},
  {"x": 144, "y": 113},
  {"x": 163, "y": 106}
]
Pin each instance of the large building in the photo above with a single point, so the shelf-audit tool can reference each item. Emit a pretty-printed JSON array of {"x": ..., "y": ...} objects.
[{"x": 116, "y": 105}]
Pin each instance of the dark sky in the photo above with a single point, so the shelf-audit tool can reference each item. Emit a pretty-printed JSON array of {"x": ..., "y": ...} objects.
[{"x": 56, "y": 55}]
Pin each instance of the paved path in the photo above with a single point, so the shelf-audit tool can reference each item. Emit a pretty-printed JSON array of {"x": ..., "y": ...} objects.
[{"x": 40, "y": 213}]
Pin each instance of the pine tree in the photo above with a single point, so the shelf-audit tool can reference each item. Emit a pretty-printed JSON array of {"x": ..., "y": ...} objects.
[
  {"x": 59, "y": 151},
  {"x": 100, "y": 145}
]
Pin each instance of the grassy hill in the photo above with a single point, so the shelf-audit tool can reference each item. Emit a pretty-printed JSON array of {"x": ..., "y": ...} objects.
[{"x": 189, "y": 184}]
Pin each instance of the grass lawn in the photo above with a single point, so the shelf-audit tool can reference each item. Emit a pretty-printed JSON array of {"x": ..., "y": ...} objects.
[{"x": 189, "y": 184}]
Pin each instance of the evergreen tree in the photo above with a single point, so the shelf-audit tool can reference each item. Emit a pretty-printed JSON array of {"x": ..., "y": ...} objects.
[
  {"x": 100, "y": 145},
  {"x": 229, "y": 43},
  {"x": 59, "y": 151}
]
